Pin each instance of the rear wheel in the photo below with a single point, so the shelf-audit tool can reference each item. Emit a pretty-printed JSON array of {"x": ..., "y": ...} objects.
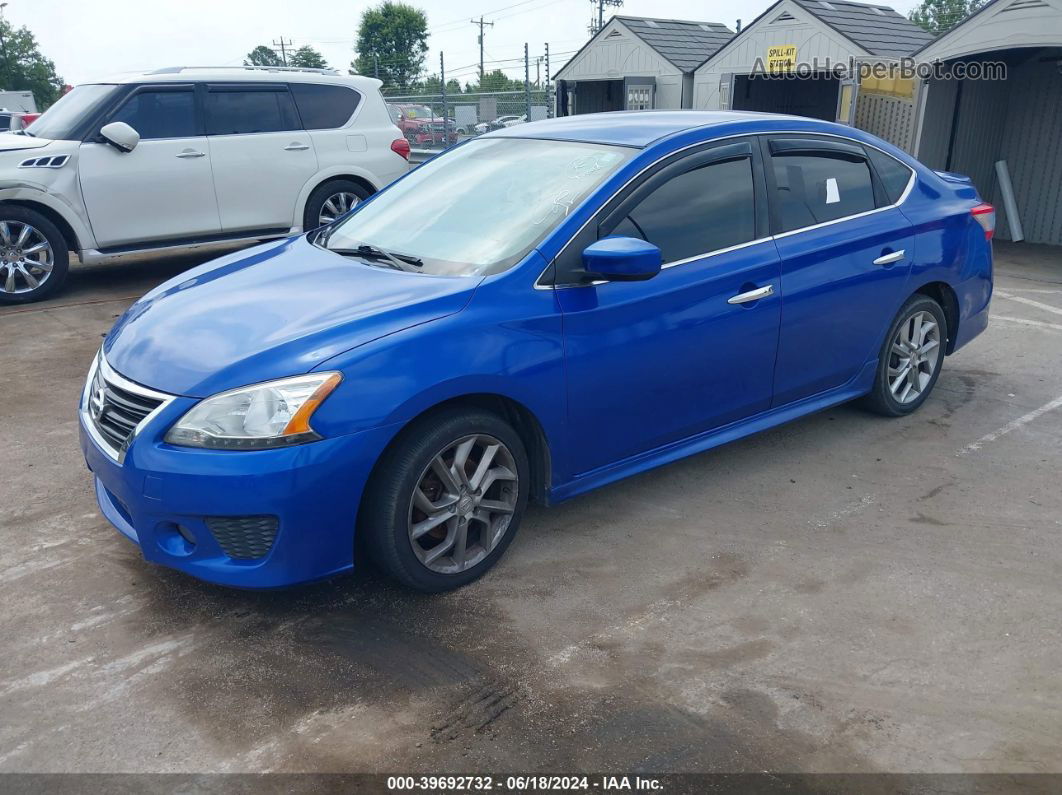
[
  {"x": 34, "y": 257},
  {"x": 332, "y": 200},
  {"x": 446, "y": 499},
  {"x": 910, "y": 359}
]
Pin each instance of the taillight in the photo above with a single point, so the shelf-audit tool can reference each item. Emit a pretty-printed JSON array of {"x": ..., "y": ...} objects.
[
  {"x": 400, "y": 146},
  {"x": 985, "y": 215}
]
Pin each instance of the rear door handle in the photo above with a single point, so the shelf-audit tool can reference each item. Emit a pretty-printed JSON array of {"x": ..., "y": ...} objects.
[
  {"x": 190, "y": 153},
  {"x": 888, "y": 259},
  {"x": 295, "y": 146},
  {"x": 751, "y": 295}
]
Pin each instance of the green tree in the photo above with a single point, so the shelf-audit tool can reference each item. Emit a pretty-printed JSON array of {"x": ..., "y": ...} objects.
[
  {"x": 937, "y": 16},
  {"x": 393, "y": 39},
  {"x": 308, "y": 58},
  {"x": 499, "y": 81},
  {"x": 24, "y": 68},
  {"x": 262, "y": 56}
]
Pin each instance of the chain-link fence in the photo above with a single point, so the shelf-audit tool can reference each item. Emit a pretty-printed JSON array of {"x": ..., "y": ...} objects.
[{"x": 436, "y": 121}]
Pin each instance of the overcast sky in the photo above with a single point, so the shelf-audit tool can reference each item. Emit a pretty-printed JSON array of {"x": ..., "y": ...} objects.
[{"x": 92, "y": 39}]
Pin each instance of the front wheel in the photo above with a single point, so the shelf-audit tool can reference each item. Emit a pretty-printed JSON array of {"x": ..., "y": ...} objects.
[
  {"x": 910, "y": 359},
  {"x": 446, "y": 499},
  {"x": 34, "y": 256}
]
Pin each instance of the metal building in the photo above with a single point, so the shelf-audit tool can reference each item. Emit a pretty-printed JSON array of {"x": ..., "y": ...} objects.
[
  {"x": 634, "y": 63},
  {"x": 967, "y": 125},
  {"x": 816, "y": 32}
]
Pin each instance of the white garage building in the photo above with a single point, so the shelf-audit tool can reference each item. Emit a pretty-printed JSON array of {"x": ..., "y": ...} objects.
[
  {"x": 967, "y": 125},
  {"x": 810, "y": 31},
  {"x": 634, "y": 63}
]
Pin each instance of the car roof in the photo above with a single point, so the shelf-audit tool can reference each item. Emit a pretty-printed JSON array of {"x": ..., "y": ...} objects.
[
  {"x": 243, "y": 74},
  {"x": 639, "y": 128}
]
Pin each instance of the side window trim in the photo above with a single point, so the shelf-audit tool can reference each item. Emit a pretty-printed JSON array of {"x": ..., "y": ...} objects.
[{"x": 142, "y": 88}]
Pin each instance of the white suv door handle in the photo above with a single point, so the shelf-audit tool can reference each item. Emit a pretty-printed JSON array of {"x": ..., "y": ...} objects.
[
  {"x": 888, "y": 259},
  {"x": 190, "y": 153},
  {"x": 751, "y": 295},
  {"x": 295, "y": 146}
]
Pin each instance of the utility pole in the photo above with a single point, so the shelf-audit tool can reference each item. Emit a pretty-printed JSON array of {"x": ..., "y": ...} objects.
[
  {"x": 482, "y": 25},
  {"x": 283, "y": 45},
  {"x": 596, "y": 24}
]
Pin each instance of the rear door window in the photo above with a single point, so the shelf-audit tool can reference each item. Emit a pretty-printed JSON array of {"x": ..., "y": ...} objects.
[
  {"x": 163, "y": 113},
  {"x": 814, "y": 187},
  {"x": 324, "y": 107},
  {"x": 239, "y": 111}
]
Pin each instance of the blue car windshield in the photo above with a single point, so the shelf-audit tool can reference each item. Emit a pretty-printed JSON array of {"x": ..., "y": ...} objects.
[{"x": 482, "y": 207}]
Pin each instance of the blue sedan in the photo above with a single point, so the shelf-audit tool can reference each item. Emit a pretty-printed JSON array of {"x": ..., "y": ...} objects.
[{"x": 536, "y": 313}]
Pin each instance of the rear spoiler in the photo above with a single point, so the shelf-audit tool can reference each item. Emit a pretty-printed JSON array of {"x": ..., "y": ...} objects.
[{"x": 963, "y": 184}]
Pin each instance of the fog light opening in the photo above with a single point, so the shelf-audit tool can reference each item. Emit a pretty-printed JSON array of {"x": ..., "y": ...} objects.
[{"x": 175, "y": 539}]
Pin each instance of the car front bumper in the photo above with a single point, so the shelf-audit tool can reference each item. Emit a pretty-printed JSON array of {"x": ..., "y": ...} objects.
[{"x": 162, "y": 497}]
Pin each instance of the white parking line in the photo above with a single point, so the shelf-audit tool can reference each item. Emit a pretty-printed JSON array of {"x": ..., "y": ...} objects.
[
  {"x": 1032, "y": 290},
  {"x": 1013, "y": 425},
  {"x": 1029, "y": 302},
  {"x": 1025, "y": 322}
]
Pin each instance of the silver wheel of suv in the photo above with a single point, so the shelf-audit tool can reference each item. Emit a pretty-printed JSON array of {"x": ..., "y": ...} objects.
[
  {"x": 463, "y": 504},
  {"x": 337, "y": 204},
  {"x": 26, "y": 257},
  {"x": 914, "y": 356}
]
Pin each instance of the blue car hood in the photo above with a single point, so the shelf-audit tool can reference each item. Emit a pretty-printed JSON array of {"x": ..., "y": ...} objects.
[{"x": 275, "y": 310}]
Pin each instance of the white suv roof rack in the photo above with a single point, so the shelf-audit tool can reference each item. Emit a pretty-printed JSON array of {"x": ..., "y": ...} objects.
[{"x": 172, "y": 70}]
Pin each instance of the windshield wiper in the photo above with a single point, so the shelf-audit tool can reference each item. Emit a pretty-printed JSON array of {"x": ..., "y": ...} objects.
[{"x": 400, "y": 262}]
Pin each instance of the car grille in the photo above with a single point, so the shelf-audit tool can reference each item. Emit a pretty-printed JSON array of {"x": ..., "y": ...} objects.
[
  {"x": 243, "y": 537},
  {"x": 115, "y": 411}
]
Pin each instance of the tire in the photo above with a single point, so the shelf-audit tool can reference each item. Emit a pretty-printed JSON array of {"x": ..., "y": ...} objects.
[
  {"x": 914, "y": 319},
  {"x": 19, "y": 268},
  {"x": 392, "y": 514},
  {"x": 331, "y": 190}
]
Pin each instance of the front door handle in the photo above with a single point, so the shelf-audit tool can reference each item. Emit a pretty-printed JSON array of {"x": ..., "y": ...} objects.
[
  {"x": 191, "y": 153},
  {"x": 888, "y": 259},
  {"x": 751, "y": 295},
  {"x": 295, "y": 146}
]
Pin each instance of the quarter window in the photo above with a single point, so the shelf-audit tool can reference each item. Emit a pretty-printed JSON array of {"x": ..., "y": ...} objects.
[
  {"x": 159, "y": 114},
  {"x": 814, "y": 188},
  {"x": 324, "y": 107},
  {"x": 237, "y": 112},
  {"x": 893, "y": 174},
  {"x": 703, "y": 210}
]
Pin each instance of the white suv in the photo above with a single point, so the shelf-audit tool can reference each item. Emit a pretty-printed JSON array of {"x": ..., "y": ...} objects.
[{"x": 186, "y": 157}]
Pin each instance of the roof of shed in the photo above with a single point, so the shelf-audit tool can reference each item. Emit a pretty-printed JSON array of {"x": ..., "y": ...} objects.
[
  {"x": 878, "y": 29},
  {"x": 684, "y": 44}
]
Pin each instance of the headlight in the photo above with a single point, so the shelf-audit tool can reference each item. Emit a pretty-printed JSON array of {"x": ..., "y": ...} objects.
[{"x": 259, "y": 417}]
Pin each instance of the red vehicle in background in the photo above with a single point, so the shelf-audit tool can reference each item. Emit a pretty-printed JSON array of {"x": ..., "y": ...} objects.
[{"x": 421, "y": 126}]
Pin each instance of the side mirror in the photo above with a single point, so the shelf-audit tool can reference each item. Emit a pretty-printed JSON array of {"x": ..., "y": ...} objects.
[
  {"x": 120, "y": 135},
  {"x": 622, "y": 259}
]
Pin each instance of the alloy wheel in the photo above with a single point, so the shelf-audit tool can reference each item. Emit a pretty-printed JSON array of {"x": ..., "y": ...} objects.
[
  {"x": 914, "y": 356},
  {"x": 336, "y": 205},
  {"x": 26, "y": 257},
  {"x": 463, "y": 504}
]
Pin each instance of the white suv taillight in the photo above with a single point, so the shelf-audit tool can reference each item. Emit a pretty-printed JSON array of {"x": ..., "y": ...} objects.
[
  {"x": 985, "y": 215},
  {"x": 400, "y": 146}
]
